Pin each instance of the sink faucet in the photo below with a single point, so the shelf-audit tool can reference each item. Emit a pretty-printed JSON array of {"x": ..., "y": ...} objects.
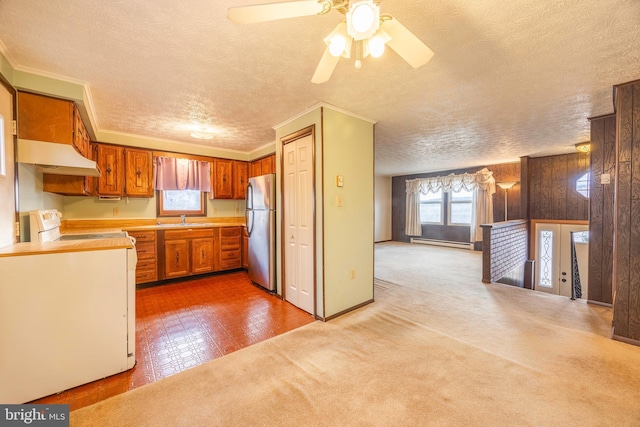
[{"x": 182, "y": 217}]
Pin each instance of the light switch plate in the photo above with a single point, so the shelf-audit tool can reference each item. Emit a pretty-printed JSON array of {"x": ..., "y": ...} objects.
[
  {"x": 605, "y": 178},
  {"x": 339, "y": 181}
]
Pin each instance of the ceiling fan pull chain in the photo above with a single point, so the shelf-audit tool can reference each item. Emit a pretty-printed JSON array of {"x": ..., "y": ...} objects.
[{"x": 358, "y": 54}]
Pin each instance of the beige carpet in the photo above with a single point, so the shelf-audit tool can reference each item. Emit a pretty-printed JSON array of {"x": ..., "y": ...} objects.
[{"x": 445, "y": 350}]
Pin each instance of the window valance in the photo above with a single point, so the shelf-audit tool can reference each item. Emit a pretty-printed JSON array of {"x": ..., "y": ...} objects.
[
  {"x": 482, "y": 179},
  {"x": 182, "y": 174}
]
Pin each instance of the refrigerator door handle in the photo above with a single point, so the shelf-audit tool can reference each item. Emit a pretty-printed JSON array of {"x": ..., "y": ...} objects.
[
  {"x": 248, "y": 220},
  {"x": 249, "y": 197}
]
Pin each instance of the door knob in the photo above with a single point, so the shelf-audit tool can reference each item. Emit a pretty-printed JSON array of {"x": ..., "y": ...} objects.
[{"x": 564, "y": 280}]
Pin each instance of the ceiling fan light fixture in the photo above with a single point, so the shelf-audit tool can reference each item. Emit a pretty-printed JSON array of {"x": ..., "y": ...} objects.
[
  {"x": 339, "y": 42},
  {"x": 363, "y": 19},
  {"x": 377, "y": 43}
]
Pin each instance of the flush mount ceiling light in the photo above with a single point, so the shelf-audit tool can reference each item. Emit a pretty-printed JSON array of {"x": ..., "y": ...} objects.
[
  {"x": 202, "y": 132},
  {"x": 364, "y": 26},
  {"x": 584, "y": 147}
]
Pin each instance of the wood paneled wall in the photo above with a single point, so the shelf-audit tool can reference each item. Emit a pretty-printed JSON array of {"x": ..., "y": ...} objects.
[
  {"x": 552, "y": 181},
  {"x": 626, "y": 305},
  {"x": 603, "y": 160}
]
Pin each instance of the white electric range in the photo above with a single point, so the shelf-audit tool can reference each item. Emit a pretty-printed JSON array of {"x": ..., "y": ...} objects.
[{"x": 67, "y": 315}]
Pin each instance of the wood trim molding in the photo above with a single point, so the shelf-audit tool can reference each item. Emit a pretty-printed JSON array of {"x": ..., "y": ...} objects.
[{"x": 182, "y": 156}]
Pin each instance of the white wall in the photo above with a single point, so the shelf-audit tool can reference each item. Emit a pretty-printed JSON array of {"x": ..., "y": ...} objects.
[
  {"x": 344, "y": 235},
  {"x": 7, "y": 179},
  {"x": 383, "y": 208}
]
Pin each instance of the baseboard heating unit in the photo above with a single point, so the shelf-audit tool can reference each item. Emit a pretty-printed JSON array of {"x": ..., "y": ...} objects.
[{"x": 448, "y": 244}]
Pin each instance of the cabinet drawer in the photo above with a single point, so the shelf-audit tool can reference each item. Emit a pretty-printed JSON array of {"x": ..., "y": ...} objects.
[
  {"x": 188, "y": 234},
  {"x": 146, "y": 264},
  {"x": 146, "y": 250},
  {"x": 230, "y": 255},
  {"x": 143, "y": 236},
  {"x": 229, "y": 243},
  {"x": 231, "y": 264},
  {"x": 145, "y": 276},
  {"x": 230, "y": 231}
]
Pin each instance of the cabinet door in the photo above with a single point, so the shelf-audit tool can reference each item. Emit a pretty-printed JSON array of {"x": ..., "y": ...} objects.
[
  {"x": 222, "y": 179},
  {"x": 201, "y": 255},
  {"x": 111, "y": 162},
  {"x": 80, "y": 135},
  {"x": 139, "y": 173},
  {"x": 67, "y": 185},
  {"x": 255, "y": 168},
  {"x": 245, "y": 249},
  {"x": 267, "y": 165},
  {"x": 42, "y": 118},
  {"x": 239, "y": 179},
  {"x": 176, "y": 253}
]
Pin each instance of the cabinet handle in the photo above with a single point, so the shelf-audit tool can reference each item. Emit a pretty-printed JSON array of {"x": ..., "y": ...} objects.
[
  {"x": 177, "y": 256},
  {"x": 108, "y": 169},
  {"x": 139, "y": 172},
  {"x": 224, "y": 178},
  {"x": 202, "y": 252}
]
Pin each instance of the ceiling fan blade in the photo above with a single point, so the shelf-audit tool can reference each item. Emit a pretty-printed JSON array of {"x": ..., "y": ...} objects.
[
  {"x": 325, "y": 67},
  {"x": 273, "y": 11},
  {"x": 406, "y": 44}
]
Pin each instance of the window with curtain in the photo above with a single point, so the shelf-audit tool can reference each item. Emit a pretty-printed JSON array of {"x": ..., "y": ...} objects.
[
  {"x": 431, "y": 208},
  {"x": 181, "y": 186},
  {"x": 481, "y": 185},
  {"x": 460, "y": 207}
]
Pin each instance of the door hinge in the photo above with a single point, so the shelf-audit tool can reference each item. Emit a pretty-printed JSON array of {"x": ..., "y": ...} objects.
[
  {"x": 14, "y": 127},
  {"x": 17, "y": 229}
]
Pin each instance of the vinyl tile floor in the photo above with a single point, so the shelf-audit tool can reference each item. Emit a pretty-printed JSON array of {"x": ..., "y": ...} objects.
[{"x": 183, "y": 324}]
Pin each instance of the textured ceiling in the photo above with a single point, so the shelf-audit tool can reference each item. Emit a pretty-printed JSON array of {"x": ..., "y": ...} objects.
[{"x": 509, "y": 77}]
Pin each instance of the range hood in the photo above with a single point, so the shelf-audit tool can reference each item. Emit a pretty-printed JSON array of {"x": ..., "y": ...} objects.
[{"x": 54, "y": 158}]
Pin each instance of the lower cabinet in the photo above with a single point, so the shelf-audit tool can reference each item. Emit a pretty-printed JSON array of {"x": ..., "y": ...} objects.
[
  {"x": 187, "y": 252},
  {"x": 147, "y": 266},
  {"x": 245, "y": 248},
  {"x": 230, "y": 248}
]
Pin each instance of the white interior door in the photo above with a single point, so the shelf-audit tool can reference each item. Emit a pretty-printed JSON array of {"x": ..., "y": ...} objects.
[
  {"x": 298, "y": 223},
  {"x": 554, "y": 260}
]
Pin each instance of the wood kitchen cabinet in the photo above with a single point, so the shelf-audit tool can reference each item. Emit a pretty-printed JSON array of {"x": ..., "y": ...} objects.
[
  {"x": 138, "y": 172},
  {"x": 222, "y": 179},
  {"x": 111, "y": 162},
  {"x": 229, "y": 254},
  {"x": 240, "y": 176},
  {"x": 147, "y": 266},
  {"x": 42, "y": 118},
  {"x": 245, "y": 248},
  {"x": 186, "y": 252},
  {"x": 263, "y": 166},
  {"x": 71, "y": 185}
]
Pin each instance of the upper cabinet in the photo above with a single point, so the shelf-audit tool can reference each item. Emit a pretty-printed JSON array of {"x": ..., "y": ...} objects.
[
  {"x": 222, "y": 179},
  {"x": 111, "y": 162},
  {"x": 263, "y": 166},
  {"x": 138, "y": 172},
  {"x": 42, "y": 118},
  {"x": 240, "y": 176}
]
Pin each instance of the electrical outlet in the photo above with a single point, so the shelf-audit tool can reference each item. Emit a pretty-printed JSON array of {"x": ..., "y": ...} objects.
[
  {"x": 352, "y": 274},
  {"x": 116, "y": 211}
]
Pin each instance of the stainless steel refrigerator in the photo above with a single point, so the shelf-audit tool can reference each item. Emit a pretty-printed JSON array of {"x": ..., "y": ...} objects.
[{"x": 261, "y": 226}]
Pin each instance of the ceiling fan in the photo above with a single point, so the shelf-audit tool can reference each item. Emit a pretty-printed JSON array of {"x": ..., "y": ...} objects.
[{"x": 363, "y": 32}]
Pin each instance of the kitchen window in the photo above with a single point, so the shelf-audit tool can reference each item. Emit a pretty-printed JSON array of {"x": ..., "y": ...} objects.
[
  {"x": 460, "y": 207},
  {"x": 181, "y": 202},
  {"x": 431, "y": 207}
]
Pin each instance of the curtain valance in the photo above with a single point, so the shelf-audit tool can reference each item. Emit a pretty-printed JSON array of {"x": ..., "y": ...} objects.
[
  {"x": 482, "y": 179},
  {"x": 181, "y": 174}
]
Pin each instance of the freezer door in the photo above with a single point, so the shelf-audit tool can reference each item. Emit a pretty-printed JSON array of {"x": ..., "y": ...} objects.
[
  {"x": 262, "y": 249},
  {"x": 261, "y": 192}
]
